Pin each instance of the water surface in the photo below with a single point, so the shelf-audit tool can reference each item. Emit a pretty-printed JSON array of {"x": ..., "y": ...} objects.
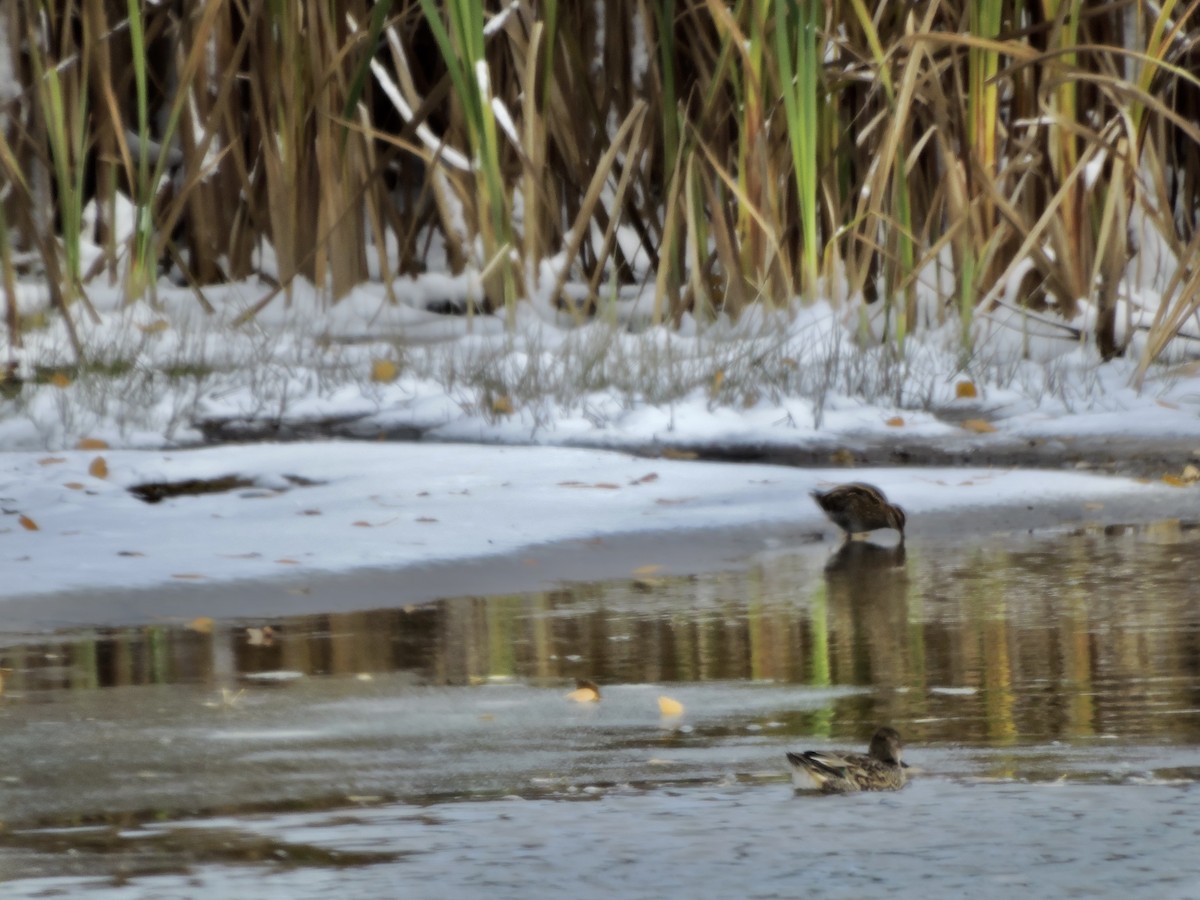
[{"x": 1047, "y": 686}]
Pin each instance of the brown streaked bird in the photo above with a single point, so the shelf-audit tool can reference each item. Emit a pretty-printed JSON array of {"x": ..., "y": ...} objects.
[
  {"x": 858, "y": 507},
  {"x": 839, "y": 772}
]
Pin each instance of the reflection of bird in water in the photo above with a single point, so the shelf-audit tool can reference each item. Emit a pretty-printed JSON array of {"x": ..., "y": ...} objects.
[
  {"x": 863, "y": 556},
  {"x": 837, "y": 772},
  {"x": 857, "y": 508}
]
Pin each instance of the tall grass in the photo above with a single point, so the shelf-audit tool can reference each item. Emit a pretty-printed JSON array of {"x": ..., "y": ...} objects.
[{"x": 728, "y": 154}]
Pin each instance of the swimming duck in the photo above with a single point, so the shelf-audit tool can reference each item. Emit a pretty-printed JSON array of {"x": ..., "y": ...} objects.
[
  {"x": 858, "y": 507},
  {"x": 837, "y": 772}
]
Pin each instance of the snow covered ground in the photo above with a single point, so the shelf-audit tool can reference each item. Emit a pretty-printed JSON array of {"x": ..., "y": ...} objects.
[
  {"x": 73, "y": 525},
  {"x": 527, "y": 395}
]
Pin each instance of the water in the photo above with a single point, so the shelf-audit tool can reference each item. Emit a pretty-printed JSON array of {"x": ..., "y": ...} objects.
[{"x": 1047, "y": 686}]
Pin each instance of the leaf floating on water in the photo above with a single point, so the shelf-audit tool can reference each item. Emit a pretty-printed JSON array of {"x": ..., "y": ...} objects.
[
  {"x": 965, "y": 390},
  {"x": 979, "y": 426},
  {"x": 51, "y": 460},
  {"x": 92, "y": 444},
  {"x": 646, "y": 479},
  {"x": 502, "y": 405},
  {"x": 201, "y": 625},
  {"x": 668, "y": 707},
  {"x": 27, "y": 523},
  {"x": 60, "y": 380},
  {"x": 384, "y": 371},
  {"x": 73, "y": 486},
  {"x": 585, "y": 691},
  {"x": 287, "y": 561},
  {"x": 98, "y": 468},
  {"x": 1174, "y": 481},
  {"x": 228, "y": 699},
  {"x": 895, "y": 422}
]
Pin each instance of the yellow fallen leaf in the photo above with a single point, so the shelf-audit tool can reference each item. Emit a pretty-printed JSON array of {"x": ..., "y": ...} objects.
[
  {"x": 717, "y": 381},
  {"x": 895, "y": 422},
  {"x": 384, "y": 371},
  {"x": 585, "y": 691},
  {"x": 672, "y": 453},
  {"x": 201, "y": 625},
  {"x": 1174, "y": 481},
  {"x": 91, "y": 444},
  {"x": 98, "y": 468},
  {"x": 502, "y": 405},
  {"x": 965, "y": 390},
  {"x": 158, "y": 326},
  {"x": 73, "y": 486},
  {"x": 979, "y": 426},
  {"x": 669, "y": 707},
  {"x": 27, "y": 523},
  {"x": 51, "y": 460},
  {"x": 60, "y": 380}
]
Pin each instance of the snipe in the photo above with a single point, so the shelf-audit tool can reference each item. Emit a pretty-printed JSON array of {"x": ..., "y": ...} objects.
[
  {"x": 858, "y": 507},
  {"x": 838, "y": 772}
]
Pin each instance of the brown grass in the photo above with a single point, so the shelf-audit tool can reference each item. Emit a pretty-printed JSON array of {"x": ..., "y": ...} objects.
[{"x": 323, "y": 130}]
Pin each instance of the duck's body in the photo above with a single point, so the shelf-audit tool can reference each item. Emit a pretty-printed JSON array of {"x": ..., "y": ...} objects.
[
  {"x": 858, "y": 507},
  {"x": 836, "y": 772}
]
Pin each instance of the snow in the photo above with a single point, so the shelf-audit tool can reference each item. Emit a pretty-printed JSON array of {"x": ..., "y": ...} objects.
[
  {"x": 552, "y": 410},
  {"x": 395, "y": 505}
]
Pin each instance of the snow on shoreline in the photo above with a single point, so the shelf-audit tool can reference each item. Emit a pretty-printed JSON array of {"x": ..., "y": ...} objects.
[
  {"x": 774, "y": 379},
  {"x": 395, "y": 505}
]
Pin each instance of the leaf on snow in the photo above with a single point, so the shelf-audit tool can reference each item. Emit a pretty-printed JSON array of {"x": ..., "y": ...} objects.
[{"x": 384, "y": 371}]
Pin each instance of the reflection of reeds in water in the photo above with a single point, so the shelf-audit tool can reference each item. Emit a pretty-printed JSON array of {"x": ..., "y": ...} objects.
[{"x": 1036, "y": 639}]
